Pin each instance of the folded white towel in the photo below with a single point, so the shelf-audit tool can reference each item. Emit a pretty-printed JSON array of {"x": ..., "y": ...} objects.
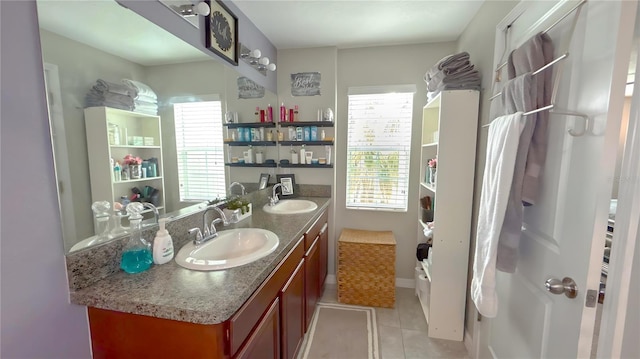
[
  {"x": 502, "y": 144},
  {"x": 141, "y": 89},
  {"x": 428, "y": 233}
]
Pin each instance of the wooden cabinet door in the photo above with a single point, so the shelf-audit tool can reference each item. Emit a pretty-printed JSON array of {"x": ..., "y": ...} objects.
[
  {"x": 292, "y": 313},
  {"x": 264, "y": 342},
  {"x": 312, "y": 276},
  {"x": 323, "y": 248}
]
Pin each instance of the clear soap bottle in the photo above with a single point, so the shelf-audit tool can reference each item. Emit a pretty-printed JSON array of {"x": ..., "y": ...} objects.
[
  {"x": 136, "y": 255},
  {"x": 102, "y": 217}
]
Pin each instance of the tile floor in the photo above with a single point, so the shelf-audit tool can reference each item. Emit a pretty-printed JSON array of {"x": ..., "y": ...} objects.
[{"x": 402, "y": 331}]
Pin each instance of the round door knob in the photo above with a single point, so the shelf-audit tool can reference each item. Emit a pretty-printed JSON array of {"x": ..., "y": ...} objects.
[{"x": 567, "y": 286}]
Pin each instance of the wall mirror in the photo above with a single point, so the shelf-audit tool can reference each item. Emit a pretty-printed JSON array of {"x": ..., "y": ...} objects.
[{"x": 83, "y": 41}]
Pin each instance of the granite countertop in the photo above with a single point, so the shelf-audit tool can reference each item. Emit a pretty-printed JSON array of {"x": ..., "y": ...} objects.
[{"x": 173, "y": 292}]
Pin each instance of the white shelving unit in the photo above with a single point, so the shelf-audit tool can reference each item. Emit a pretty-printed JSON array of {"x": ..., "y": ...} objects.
[
  {"x": 101, "y": 149},
  {"x": 453, "y": 115}
]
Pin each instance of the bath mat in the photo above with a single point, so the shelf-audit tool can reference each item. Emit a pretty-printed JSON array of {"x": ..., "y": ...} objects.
[{"x": 342, "y": 332}]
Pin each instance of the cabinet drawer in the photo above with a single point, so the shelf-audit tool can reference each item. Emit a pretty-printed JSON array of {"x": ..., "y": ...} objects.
[
  {"x": 243, "y": 322},
  {"x": 313, "y": 232}
]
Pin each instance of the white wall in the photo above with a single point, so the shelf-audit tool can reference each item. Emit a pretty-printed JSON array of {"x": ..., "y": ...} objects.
[
  {"x": 324, "y": 61},
  {"x": 385, "y": 65},
  {"x": 478, "y": 40},
  {"x": 37, "y": 320}
]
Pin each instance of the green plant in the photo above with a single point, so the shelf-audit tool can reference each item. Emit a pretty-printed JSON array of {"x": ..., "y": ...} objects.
[{"x": 238, "y": 203}]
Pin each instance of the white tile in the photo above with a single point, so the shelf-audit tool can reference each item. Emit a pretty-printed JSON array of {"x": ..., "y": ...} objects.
[
  {"x": 390, "y": 340},
  {"x": 388, "y": 317},
  {"x": 418, "y": 345}
]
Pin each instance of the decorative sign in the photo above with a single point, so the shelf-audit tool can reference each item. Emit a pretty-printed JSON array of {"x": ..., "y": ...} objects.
[
  {"x": 221, "y": 31},
  {"x": 305, "y": 84},
  {"x": 249, "y": 89}
]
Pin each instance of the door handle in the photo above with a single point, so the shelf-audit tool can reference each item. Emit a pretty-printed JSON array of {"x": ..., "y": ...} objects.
[{"x": 567, "y": 286}]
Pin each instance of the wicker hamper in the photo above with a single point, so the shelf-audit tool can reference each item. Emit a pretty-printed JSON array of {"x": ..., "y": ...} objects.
[{"x": 366, "y": 268}]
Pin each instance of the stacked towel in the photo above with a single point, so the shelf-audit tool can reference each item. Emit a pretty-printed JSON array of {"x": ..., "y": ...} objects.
[
  {"x": 145, "y": 99},
  {"x": 453, "y": 72},
  {"x": 110, "y": 94}
]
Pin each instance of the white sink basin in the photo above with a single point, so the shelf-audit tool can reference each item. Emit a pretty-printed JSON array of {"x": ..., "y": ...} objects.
[
  {"x": 231, "y": 248},
  {"x": 291, "y": 206}
]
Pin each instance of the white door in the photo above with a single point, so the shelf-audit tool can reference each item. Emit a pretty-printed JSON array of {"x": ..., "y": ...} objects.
[{"x": 564, "y": 233}]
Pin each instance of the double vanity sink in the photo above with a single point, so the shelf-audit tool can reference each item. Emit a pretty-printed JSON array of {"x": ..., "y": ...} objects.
[
  {"x": 221, "y": 299},
  {"x": 236, "y": 247}
]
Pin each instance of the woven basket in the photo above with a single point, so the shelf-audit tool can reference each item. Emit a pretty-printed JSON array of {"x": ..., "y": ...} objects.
[{"x": 366, "y": 268}]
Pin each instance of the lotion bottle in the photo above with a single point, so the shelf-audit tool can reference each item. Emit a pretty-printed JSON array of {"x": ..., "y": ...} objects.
[{"x": 162, "y": 244}]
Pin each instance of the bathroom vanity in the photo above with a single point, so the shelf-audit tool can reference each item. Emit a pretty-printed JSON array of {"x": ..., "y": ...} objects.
[{"x": 261, "y": 309}]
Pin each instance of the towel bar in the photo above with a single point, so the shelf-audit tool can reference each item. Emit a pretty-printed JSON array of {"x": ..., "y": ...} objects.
[{"x": 549, "y": 28}]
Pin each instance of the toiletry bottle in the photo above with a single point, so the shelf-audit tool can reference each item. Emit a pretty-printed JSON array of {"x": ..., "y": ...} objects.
[
  {"x": 270, "y": 135},
  {"x": 303, "y": 158},
  {"x": 327, "y": 150},
  {"x": 162, "y": 244},
  {"x": 295, "y": 112},
  {"x": 136, "y": 255},
  {"x": 257, "y": 113},
  {"x": 262, "y": 116},
  {"x": 283, "y": 113},
  {"x": 117, "y": 172},
  {"x": 269, "y": 113},
  {"x": 291, "y": 115},
  {"x": 322, "y": 135}
]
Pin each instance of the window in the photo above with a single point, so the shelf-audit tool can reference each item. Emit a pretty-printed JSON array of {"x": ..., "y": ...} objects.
[
  {"x": 199, "y": 148},
  {"x": 378, "y": 148}
]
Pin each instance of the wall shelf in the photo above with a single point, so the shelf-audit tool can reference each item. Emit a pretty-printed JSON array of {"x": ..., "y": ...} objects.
[
  {"x": 306, "y": 123},
  {"x": 307, "y": 143},
  {"x": 304, "y": 166},
  {"x": 251, "y": 143},
  {"x": 250, "y": 124},
  {"x": 251, "y": 164}
]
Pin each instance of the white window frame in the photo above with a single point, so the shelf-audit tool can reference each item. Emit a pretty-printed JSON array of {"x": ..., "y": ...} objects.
[
  {"x": 396, "y": 198},
  {"x": 208, "y": 181}
]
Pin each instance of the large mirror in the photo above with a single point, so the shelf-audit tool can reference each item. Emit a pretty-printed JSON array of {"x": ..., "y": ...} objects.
[{"x": 86, "y": 41}]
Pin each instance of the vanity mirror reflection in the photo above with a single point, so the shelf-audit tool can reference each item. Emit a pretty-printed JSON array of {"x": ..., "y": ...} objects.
[{"x": 83, "y": 41}]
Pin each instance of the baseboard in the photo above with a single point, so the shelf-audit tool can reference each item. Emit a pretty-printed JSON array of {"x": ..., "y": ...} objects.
[
  {"x": 400, "y": 282},
  {"x": 468, "y": 344},
  {"x": 405, "y": 283}
]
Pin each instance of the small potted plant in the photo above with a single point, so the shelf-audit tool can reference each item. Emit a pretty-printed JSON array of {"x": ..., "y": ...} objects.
[
  {"x": 135, "y": 166},
  {"x": 237, "y": 209}
]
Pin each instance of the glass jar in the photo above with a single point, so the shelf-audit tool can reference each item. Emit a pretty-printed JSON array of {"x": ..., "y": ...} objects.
[{"x": 136, "y": 255}]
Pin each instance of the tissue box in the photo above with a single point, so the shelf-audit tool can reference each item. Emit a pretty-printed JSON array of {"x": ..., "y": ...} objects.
[{"x": 235, "y": 215}]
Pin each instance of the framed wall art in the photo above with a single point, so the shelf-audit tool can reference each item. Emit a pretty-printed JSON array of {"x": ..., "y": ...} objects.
[
  {"x": 264, "y": 181},
  {"x": 288, "y": 182},
  {"x": 221, "y": 31}
]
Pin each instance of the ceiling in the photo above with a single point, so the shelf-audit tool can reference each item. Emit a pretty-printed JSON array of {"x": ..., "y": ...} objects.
[
  {"x": 105, "y": 25},
  {"x": 358, "y": 23}
]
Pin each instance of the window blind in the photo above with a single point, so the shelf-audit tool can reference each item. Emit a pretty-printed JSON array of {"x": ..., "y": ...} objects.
[
  {"x": 378, "y": 151},
  {"x": 200, "y": 152}
]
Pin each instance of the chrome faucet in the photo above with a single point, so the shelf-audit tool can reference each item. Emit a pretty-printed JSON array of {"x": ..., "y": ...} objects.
[
  {"x": 208, "y": 232},
  {"x": 236, "y": 184},
  {"x": 154, "y": 209},
  {"x": 273, "y": 200}
]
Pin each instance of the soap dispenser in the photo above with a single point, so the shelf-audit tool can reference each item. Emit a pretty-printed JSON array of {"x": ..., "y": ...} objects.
[
  {"x": 162, "y": 244},
  {"x": 136, "y": 255}
]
